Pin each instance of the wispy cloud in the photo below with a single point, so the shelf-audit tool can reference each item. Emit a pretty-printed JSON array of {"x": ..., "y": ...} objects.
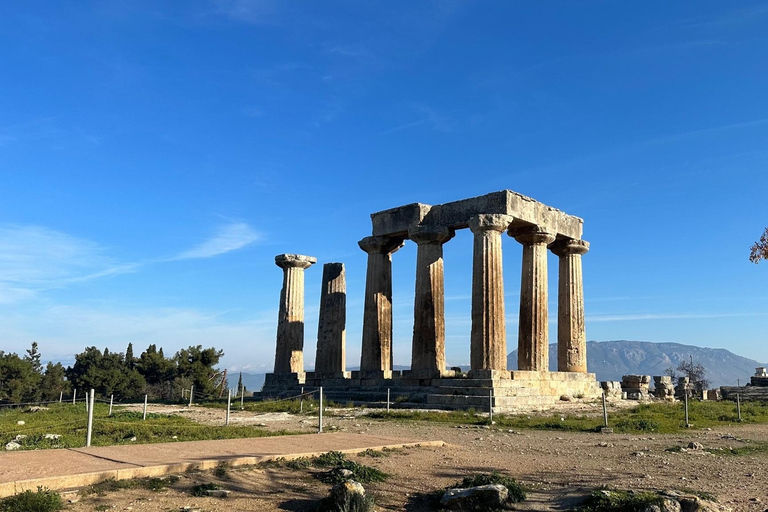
[
  {"x": 228, "y": 238},
  {"x": 735, "y": 17}
]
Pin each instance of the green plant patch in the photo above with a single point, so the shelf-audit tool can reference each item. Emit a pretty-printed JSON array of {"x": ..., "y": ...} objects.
[
  {"x": 202, "y": 489},
  {"x": 335, "y": 461},
  {"x": 41, "y": 501},
  {"x": 517, "y": 491},
  {"x": 612, "y": 500}
]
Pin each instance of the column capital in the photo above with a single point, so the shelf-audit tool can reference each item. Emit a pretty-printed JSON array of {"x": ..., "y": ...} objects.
[
  {"x": 380, "y": 244},
  {"x": 533, "y": 236},
  {"x": 490, "y": 222},
  {"x": 430, "y": 234},
  {"x": 565, "y": 246},
  {"x": 286, "y": 261}
]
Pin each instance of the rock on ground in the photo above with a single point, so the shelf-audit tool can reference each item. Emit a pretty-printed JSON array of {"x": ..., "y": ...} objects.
[{"x": 483, "y": 496}]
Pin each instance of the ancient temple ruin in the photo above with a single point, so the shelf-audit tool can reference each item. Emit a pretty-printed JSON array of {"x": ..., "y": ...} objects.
[{"x": 533, "y": 225}]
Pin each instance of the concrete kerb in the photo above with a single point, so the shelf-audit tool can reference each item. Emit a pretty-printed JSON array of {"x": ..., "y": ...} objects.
[{"x": 76, "y": 481}]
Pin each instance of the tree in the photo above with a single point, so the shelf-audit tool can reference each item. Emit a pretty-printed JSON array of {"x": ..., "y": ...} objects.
[
  {"x": 106, "y": 373},
  {"x": 240, "y": 388},
  {"x": 759, "y": 250},
  {"x": 695, "y": 373},
  {"x": 196, "y": 365},
  {"x": 129, "y": 359},
  {"x": 18, "y": 380},
  {"x": 33, "y": 358},
  {"x": 54, "y": 382}
]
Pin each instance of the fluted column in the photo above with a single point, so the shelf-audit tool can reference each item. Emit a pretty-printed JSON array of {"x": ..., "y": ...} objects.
[
  {"x": 377, "y": 316},
  {"x": 533, "y": 337},
  {"x": 428, "y": 348},
  {"x": 488, "y": 350},
  {"x": 331, "y": 327},
  {"x": 289, "y": 356},
  {"x": 571, "y": 334}
]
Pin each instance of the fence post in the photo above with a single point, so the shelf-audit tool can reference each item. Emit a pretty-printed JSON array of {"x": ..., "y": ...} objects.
[
  {"x": 301, "y": 401},
  {"x": 738, "y": 405},
  {"x": 86, "y": 403},
  {"x": 229, "y": 402},
  {"x": 686, "y": 410},
  {"x": 111, "y": 398},
  {"x": 191, "y": 394},
  {"x": 605, "y": 412},
  {"x": 387, "y": 399},
  {"x": 490, "y": 407},
  {"x": 90, "y": 420},
  {"x": 145, "y": 407},
  {"x": 320, "y": 413},
  {"x": 61, "y": 396},
  {"x": 242, "y": 394},
  {"x": 74, "y": 396}
]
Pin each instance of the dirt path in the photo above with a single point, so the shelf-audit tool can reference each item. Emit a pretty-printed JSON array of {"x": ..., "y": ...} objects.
[{"x": 558, "y": 466}]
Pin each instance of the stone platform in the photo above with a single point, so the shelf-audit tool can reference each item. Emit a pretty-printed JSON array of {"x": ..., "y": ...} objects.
[{"x": 511, "y": 389}]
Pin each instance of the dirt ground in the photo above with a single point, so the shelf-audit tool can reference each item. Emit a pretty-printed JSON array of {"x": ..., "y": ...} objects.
[{"x": 559, "y": 467}]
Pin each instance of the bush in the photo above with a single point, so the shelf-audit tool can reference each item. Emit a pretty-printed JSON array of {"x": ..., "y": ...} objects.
[
  {"x": 335, "y": 461},
  {"x": 41, "y": 501},
  {"x": 516, "y": 490},
  {"x": 610, "y": 500},
  {"x": 346, "y": 503},
  {"x": 202, "y": 489}
]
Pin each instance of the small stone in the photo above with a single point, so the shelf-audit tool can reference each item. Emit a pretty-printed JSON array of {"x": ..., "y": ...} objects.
[
  {"x": 693, "y": 445},
  {"x": 492, "y": 496},
  {"x": 20, "y": 437},
  {"x": 53, "y": 437},
  {"x": 174, "y": 437},
  {"x": 13, "y": 445},
  {"x": 21, "y": 422},
  {"x": 565, "y": 398},
  {"x": 217, "y": 493}
]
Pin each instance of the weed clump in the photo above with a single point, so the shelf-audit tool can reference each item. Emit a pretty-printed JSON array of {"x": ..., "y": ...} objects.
[
  {"x": 202, "y": 489},
  {"x": 41, "y": 501},
  {"x": 611, "y": 500},
  {"x": 346, "y": 503},
  {"x": 336, "y": 461}
]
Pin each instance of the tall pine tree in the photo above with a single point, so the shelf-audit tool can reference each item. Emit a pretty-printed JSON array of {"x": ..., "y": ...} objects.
[{"x": 130, "y": 361}]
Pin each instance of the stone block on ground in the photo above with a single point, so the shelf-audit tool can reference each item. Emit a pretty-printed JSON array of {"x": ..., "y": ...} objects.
[{"x": 491, "y": 496}]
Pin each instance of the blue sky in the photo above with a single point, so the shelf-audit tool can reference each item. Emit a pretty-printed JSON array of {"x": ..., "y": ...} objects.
[{"x": 156, "y": 156}]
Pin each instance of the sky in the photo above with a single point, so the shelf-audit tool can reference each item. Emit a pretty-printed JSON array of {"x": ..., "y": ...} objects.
[{"x": 155, "y": 156}]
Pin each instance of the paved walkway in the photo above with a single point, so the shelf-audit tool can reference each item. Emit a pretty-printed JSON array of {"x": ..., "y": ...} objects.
[{"x": 78, "y": 467}]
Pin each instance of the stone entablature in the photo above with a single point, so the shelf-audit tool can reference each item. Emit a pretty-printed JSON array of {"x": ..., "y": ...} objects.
[{"x": 395, "y": 222}]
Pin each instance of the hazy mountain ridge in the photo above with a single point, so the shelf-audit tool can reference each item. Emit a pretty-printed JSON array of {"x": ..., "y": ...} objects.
[{"x": 612, "y": 359}]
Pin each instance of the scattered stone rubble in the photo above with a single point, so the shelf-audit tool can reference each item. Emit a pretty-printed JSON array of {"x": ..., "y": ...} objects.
[
  {"x": 636, "y": 386},
  {"x": 663, "y": 387}
]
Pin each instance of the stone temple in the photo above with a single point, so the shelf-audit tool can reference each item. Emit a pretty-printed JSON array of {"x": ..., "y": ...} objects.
[{"x": 533, "y": 225}]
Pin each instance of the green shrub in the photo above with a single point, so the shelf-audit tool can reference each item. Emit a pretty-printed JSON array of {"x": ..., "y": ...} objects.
[
  {"x": 335, "y": 461},
  {"x": 517, "y": 492},
  {"x": 611, "y": 500},
  {"x": 346, "y": 503},
  {"x": 41, "y": 501},
  {"x": 222, "y": 471},
  {"x": 202, "y": 489}
]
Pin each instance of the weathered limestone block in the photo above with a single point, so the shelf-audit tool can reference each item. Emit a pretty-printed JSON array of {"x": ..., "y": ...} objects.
[
  {"x": 663, "y": 387},
  {"x": 428, "y": 349},
  {"x": 331, "y": 327},
  {"x": 713, "y": 394},
  {"x": 289, "y": 355},
  {"x": 683, "y": 387},
  {"x": 636, "y": 386},
  {"x": 376, "y": 352},
  {"x": 612, "y": 388},
  {"x": 571, "y": 333},
  {"x": 533, "y": 338},
  {"x": 483, "y": 497},
  {"x": 488, "y": 346}
]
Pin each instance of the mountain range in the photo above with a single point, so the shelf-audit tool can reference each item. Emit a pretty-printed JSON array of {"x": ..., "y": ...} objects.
[{"x": 612, "y": 359}]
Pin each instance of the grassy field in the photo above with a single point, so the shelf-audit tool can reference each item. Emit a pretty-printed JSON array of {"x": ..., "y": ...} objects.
[
  {"x": 651, "y": 417},
  {"x": 70, "y": 423}
]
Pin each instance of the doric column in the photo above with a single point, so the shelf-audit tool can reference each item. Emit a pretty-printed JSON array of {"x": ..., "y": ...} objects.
[
  {"x": 571, "y": 335},
  {"x": 289, "y": 356},
  {"x": 331, "y": 327},
  {"x": 533, "y": 337},
  {"x": 377, "y": 316},
  {"x": 428, "y": 349},
  {"x": 488, "y": 350}
]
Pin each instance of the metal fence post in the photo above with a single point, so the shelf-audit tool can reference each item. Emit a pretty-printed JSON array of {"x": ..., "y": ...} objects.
[
  {"x": 686, "y": 410},
  {"x": 242, "y": 394},
  {"x": 61, "y": 396},
  {"x": 229, "y": 404},
  {"x": 320, "y": 415},
  {"x": 74, "y": 396},
  {"x": 301, "y": 401},
  {"x": 605, "y": 412},
  {"x": 145, "y": 407},
  {"x": 111, "y": 399},
  {"x": 191, "y": 394},
  {"x": 387, "y": 399},
  {"x": 90, "y": 419},
  {"x": 490, "y": 406},
  {"x": 738, "y": 405}
]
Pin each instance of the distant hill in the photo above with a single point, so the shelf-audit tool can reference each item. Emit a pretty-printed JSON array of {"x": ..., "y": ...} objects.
[{"x": 612, "y": 359}]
